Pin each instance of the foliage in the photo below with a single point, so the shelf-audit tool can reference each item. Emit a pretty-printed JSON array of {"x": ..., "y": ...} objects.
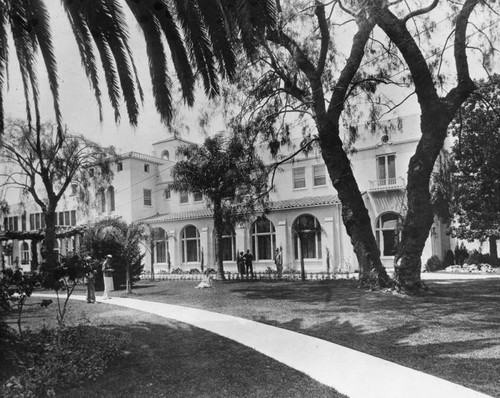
[
  {"x": 194, "y": 271},
  {"x": 461, "y": 254},
  {"x": 46, "y": 163},
  {"x": 15, "y": 288},
  {"x": 63, "y": 276},
  {"x": 449, "y": 258},
  {"x": 476, "y": 200},
  {"x": 434, "y": 263},
  {"x": 476, "y": 257},
  {"x": 229, "y": 174},
  {"x": 201, "y": 35},
  {"x": 177, "y": 271},
  {"x": 122, "y": 241},
  {"x": 52, "y": 360}
]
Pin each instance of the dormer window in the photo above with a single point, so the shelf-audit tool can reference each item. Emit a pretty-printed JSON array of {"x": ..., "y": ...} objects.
[
  {"x": 119, "y": 166},
  {"x": 146, "y": 168}
]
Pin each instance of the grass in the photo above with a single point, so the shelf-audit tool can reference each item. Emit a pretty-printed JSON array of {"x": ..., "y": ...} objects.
[{"x": 451, "y": 332}]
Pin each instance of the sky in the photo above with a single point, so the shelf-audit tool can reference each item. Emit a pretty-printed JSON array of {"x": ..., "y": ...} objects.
[{"x": 79, "y": 107}]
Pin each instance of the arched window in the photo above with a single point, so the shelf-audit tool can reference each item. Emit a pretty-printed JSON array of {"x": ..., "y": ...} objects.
[
  {"x": 190, "y": 238},
  {"x": 263, "y": 239},
  {"x": 228, "y": 244},
  {"x": 111, "y": 198},
  {"x": 165, "y": 155},
  {"x": 308, "y": 228},
  {"x": 387, "y": 233},
  {"x": 160, "y": 243},
  {"x": 25, "y": 253}
]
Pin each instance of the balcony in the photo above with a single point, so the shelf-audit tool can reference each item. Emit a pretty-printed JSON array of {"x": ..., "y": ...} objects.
[{"x": 388, "y": 184}]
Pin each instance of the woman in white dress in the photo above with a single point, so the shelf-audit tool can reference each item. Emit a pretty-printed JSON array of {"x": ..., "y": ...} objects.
[{"x": 107, "y": 273}]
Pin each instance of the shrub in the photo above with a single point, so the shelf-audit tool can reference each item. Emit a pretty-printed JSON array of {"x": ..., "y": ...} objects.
[
  {"x": 194, "y": 271},
  {"x": 476, "y": 257},
  {"x": 53, "y": 360},
  {"x": 433, "y": 264},
  {"x": 449, "y": 258},
  {"x": 210, "y": 271},
  {"x": 270, "y": 271},
  {"x": 289, "y": 270},
  {"x": 177, "y": 271},
  {"x": 461, "y": 253}
]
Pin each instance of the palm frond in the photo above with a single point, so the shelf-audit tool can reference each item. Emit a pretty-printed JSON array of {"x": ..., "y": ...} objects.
[
  {"x": 198, "y": 44},
  {"x": 38, "y": 21},
  {"x": 4, "y": 58},
  {"x": 177, "y": 48},
  {"x": 223, "y": 48},
  {"x": 83, "y": 39},
  {"x": 157, "y": 60}
]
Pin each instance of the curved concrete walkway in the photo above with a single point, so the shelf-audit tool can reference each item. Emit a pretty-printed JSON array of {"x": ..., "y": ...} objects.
[{"x": 350, "y": 372}]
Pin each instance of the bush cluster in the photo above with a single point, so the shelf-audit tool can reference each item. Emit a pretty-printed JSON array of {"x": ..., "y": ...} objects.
[
  {"x": 53, "y": 360},
  {"x": 434, "y": 263}
]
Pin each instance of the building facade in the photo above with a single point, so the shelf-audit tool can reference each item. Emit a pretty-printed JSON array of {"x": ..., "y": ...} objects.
[{"x": 181, "y": 223}]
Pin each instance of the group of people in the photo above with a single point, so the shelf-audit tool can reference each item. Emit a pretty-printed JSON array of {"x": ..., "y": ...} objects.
[
  {"x": 245, "y": 263},
  {"x": 90, "y": 277}
]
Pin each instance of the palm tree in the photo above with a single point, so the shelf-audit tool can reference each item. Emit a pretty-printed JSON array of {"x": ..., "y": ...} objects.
[{"x": 201, "y": 37}]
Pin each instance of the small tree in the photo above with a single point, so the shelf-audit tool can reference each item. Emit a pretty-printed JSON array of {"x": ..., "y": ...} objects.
[
  {"x": 46, "y": 159},
  {"x": 229, "y": 174},
  {"x": 122, "y": 241},
  {"x": 476, "y": 196}
]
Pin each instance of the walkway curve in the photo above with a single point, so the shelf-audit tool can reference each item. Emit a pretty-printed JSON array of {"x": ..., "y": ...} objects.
[{"x": 350, "y": 372}]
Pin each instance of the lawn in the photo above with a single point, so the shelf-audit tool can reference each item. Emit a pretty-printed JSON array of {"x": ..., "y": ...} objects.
[{"x": 451, "y": 332}]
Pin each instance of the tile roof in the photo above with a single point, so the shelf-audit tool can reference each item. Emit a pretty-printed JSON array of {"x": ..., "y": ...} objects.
[
  {"x": 313, "y": 201},
  {"x": 141, "y": 156}
]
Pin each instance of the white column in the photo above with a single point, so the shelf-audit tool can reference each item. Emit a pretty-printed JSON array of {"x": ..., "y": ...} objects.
[
  {"x": 242, "y": 241},
  {"x": 207, "y": 249},
  {"x": 283, "y": 241},
  {"x": 173, "y": 245},
  {"x": 329, "y": 247}
]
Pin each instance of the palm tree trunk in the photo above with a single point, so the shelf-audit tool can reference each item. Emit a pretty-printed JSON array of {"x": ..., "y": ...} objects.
[
  {"x": 302, "y": 265},
  {"x": 218, "y": 230},
  {"x": 49, "y": 257},
  {"x": 493, "y": 249}
]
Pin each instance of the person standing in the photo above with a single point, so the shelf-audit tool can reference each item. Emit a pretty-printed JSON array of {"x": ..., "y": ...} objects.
[
  {"x": 278, "y": 260},
  {"x": 241, "y": 263},
  {"x": 90, "y": 281},
  {"x": 107, "y": 273},
  {"x": 249, "y": 262}
]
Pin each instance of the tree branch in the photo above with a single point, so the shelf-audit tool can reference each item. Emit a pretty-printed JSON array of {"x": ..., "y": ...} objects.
[{"x": 420, "y": 11}]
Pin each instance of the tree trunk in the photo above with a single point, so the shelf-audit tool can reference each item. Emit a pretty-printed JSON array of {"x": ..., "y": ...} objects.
[
  {"x": 34, "y": 255},
  {"x": 49, "y": 257},
  {"x": 218, "y": 230},
  {"x": 302, "y": 265},
  {"x": 354, "y": 213},
  {"x": 420, "y": 215},
  {"x": 493, "y": 249},
  {"x": 129, "y": 279},
  {"x": 152, "y": 247}
]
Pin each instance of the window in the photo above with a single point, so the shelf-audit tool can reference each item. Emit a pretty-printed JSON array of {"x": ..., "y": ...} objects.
[
  {"x": 23, "y": 222},
  {"x": 307, "y": 237},
  {"x": 168, "y": 194},
  {"x": 111, "y": 198},
  {"x": 319, "y": 175},
  {"x": 160, "y": 244},
  {"x": 228, "y": 244},
  {"x": 91, "y": 172},
  {"x": 74, "y": 189},
  {"x": 198, "y": 197},
  {"x": 102, "y": 199},
  {"x": 119, "y": 166},
  {"x": 147, "y": 197},
  {"x": 25, "y": 253},
  {"x": 37, "y": 221},
  {"x": 190, "y": 244},
  {"x": 386, "y": 169},
  {"x": 67, "y": 218},
  {"x": 387, "y": 233},
  {"x": 11, "y": 223},
  {"x": 165, "y": 155},
  {"x": 263, "y": 239},
  {"x": 73, "y": 217},
  {"x": 184, "y": 197},
  {"x": 299, "y": 178},
  {"x": 60, "y": 217},
  {"x": 146, "y": 168}
]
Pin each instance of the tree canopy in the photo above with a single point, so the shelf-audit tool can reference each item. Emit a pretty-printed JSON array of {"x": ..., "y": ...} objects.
[
  {"x": 476, "y": 181},
  {"x": 232, "y": 178}
]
